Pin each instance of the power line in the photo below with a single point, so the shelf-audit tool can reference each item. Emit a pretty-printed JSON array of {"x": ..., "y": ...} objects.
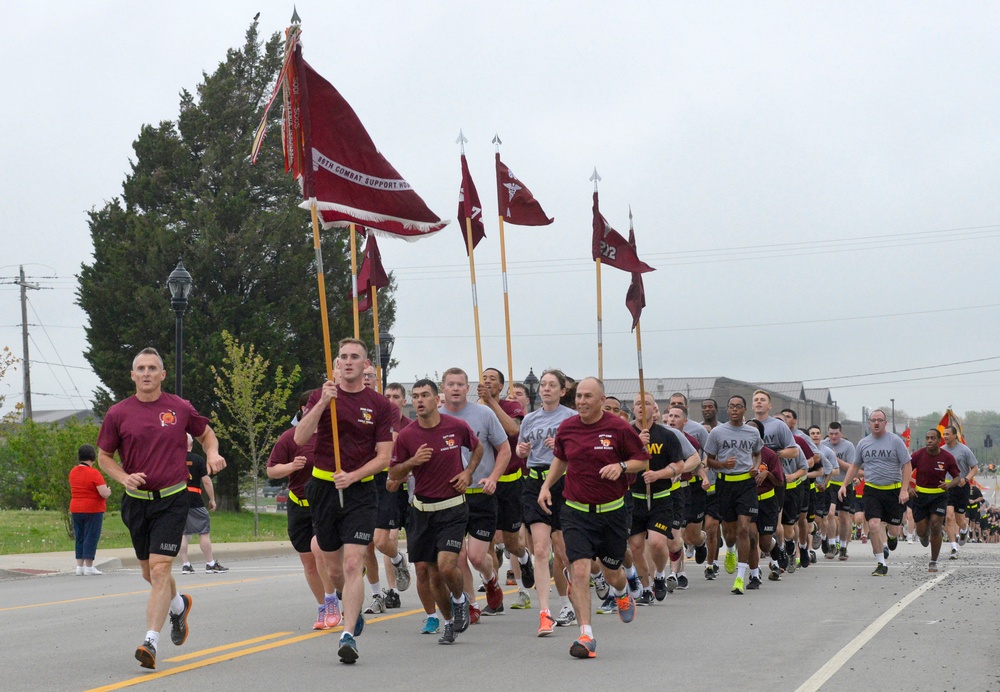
[{"x": 892, "y": 372}]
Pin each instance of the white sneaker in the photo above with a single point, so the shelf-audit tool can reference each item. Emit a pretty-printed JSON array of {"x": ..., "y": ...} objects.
[
  {"x": 566, "y": 617},
  {"x": 79, "y": 571},
  {"x": 92, "y": 571},
  {"x": 689, "y": 552}
]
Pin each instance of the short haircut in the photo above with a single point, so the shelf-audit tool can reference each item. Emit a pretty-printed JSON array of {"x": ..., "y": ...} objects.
[
  {"x": 716, "y": 403},
  {"x": 613, "y": 398},
  {"x": 682, "y": 407},
  {"x": 950, "y": 427},
  {"x": 835, "y": 425},
  {"x": 600, "y": 383},
  {"x": 304, "y": 397},
  {"x": 499, "y": 374},
  {"x": 519, "y": 385},
  {"x": 396, "y": 387},
  {"x": 761, "y": 391},
  {"x": 86, "y": 453},
  {"x": 357, "y": 342},
  {"x": 740, "y": 397},
  {"x": 814, "y": 426},
  {"x": 559, "y": 375},
  {"x": 681, "y": 395},
  {"x": 454, "y": 371},
  {"x": 148, "y": 351},
  {"x": 791, "y": 411},
  {"x": 937, "y": 433},
  {"x": 425, "y": 383}
]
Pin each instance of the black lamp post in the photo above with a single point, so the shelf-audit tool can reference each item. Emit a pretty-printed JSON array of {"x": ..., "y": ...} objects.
[
  {"x": 180, "y": 284},
  {"x": 531, "y": 384},
  {"x": 385, "y": 343}
]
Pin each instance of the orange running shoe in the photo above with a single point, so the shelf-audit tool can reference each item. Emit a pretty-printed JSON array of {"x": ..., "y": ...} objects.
[{"x": 545, "y": 623}]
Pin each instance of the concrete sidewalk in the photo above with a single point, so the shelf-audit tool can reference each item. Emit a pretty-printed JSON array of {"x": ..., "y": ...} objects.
[{"x": 47, "y": 564}]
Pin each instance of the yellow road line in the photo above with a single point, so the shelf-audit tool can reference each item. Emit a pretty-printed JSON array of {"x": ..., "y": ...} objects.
[{"x": 225, "y": 647}]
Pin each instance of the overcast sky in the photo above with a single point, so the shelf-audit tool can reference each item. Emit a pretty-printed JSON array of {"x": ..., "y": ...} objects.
[{"x": 815, "y": 183}]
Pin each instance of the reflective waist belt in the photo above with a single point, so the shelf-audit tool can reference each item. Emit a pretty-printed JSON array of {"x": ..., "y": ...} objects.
[
  {"x": 328, "y": 475},
  {"x": 711, "y": 488},
  {"x": 192, "y": 489},
  {"x": 537, "y": 474},
  {"x": 156, "y": 494},
  {"x": 510, "y": 477},
  {"x": 300, "y": 501},
  {"x": 893, "y": 486},
  {"x": 737, "y": 477},
  {"x": 767, "y": 495},
  {"x": 656, "y": 496},
  {"x": 473, "y": 491},
  {"x": 597, "y": 509},
  {"x": 833, "y": 482},
  {"x": 793, "y": 484},
  {"x": 928, "y": 491},
  {"x": 438, "y": 506},
  {"x": 675, "y": 485}
]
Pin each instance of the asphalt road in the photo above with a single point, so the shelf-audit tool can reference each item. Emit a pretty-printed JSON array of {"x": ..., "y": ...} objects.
[{"x": 831, "y": 627}]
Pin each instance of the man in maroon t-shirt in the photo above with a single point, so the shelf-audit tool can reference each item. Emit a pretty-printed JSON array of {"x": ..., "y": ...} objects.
[
  {"x": 596, "y": 450},
  {"x": 343, "y": 500},
  {"x": 149, "y": 431},
  {"x": 931, "y": 467},
  {"x": 432, "y": 451}
]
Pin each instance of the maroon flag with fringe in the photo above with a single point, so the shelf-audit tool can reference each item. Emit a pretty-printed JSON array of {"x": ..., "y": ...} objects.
[
  {"x": 469, "y": 207},
  {"x": 514, "y": 200},
  {"x": 371, "y": 274},
  {"x": 611, "y": 248}
]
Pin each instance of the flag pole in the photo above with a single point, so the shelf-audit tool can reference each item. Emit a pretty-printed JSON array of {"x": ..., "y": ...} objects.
[
  {"x": 503, "y": 272},
  {"x": 354, "y": 280},
  {"x": 600, "y": 328},
  {"x": 472, "y": 271},
  {"x": 642, "y": 383},
  {"x": 327, "y": 348},
  {"x": 378, "y": 350}
]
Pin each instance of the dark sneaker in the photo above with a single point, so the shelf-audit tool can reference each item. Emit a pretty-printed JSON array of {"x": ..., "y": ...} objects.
[
  {"x": 816, "y": 540},
  {"x": 660, "y": 585},
  {"x": 634, "y": 586},
  {"x": 843, "y": 554},
  {"x": 528, "y": 574},
  {"x": 609, "y": 605},
  {"x": 962, "y": 538},
  {"x": 391, "y": 599},
  {"x": 709, "y": 574},
  {"x": 885, "y": 552},
  {"x": 925, "y": 541},
  {"x": 804, "y": 559},
  {"x": 880, "y": 570},
  {"x": 626, "y": 607},
  {"x": 461, "y": 615},
  {"x": 825, "y": 545},
  {"x": 682, "y": 581},
  {"x": 348, "y": 651},
  {"x": 812, "y": 557},
  {"x": 179, "y": 622},
  {"x": 187, "y": 568},
  {"x": 488, "y": 612},
  {"x": 146, "y": 654},
  {"x": 402, "y": 571},
  {"x": 359, "y": 626},
  {"x": 700, "y": 553},
  {"x": 933, "y": 566},
  {"x": 671, "y": 583},
  {"x": 891, "y": 541},
  {"x": 510, "y": 578},
  {"x": 753, "y": 584},
  {"x": 782, "y": 559},
  {"x": 645, "y": 598},
  {"x": 449, "y": 634},
  {"x": 774, "y": 576},
  {"x": 217, "y": 568},
  {"x": 584, "y": 647},
  {"x": 885, "y": 569}
]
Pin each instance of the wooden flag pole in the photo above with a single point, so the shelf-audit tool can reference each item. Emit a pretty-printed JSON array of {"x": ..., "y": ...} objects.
[
  {"x": 354, "y": 280},
  {"x": 378, "y": 350},
  {"x": 327, "y": 348},
  {"x": 600, "y": 323},
  {"x": 503, "y": 272},
  {"x": 472, "y": 272},
  {"x": 643, "y": 421}
]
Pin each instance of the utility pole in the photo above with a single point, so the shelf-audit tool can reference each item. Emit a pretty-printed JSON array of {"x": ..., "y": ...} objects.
[{"x": 25, "y": 361}]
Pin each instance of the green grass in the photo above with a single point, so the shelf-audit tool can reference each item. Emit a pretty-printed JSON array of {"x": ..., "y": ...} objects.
[{"x": 23, "y": 531}]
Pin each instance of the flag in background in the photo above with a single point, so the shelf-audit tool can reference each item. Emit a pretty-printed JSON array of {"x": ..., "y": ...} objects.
[
  {"x": 514, "y": 200},
  {"x": 611, "y": 248},
  {"x": 635, "y": 298},
  {"x": 469, "y": 207},
  {"x": 906, "y": 437},
  {"x": 949, "y": 418},
  {"x": 371, "y": 274}
]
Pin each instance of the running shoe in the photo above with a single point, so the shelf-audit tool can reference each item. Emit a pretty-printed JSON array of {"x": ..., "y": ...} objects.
[
  {"x": 753, "y": 584},
  {"x": 566, "y": 617},
  {"x": 92, "y": 571},
  {"x": 671, "y": 583},
  {"x": 634, "y": 586},
  {"x": 528, "y": 574},
  {"x": 804, "y": 558},
  {"x": 216, "y": 568},
  {"x": 645, "y": 598},
  {"x": 774, "y": 576},
  {"x": 376, "y": 606},
  {"x": 700, "y": 553},
  {"x": 510, "y": 578},
  {"x": 792, "y": 562},
  {"x": 348, "y": 651},
  {"x": 522, "y": 601},
  {"x": 608, "y": 606},
  {"x": 546, "y": 624},
  {"x": 825, "y": 545},
  {"x": 816, "y": 540},
  {"x": 499, "y": 550},
  {"x": 494, "y": 594},
  {"x": 891, "y": 541},
  {"x": 474, "y": 613},
  {"x": 186, "y": 568},
  {"x": 864, "y": 539},
  {"x": 782, "y": 559},
  {"x": 812, "y": 557},
  {"x": 432, "y": 625},
  {"x": 660, "y": 585},
  {"x": 333, "y": 614},
  {"x": 392, "y": 599},
  {"x": 482, "y": 588},
  {"x": 626, "y": 607},
  {"x": 682, "y": 582},
  {"x": 584, "y": 647},
  {"x": 933, "y": 566},
  {"x": 709, "y": 574},
  {"x": 832, "y": 554},
  {"x": 461, "y": 613},
  {"x": 962, "y": 538},
  {"x": 449, "y": 634},
  {"x": 320, "y": 623},
  {"x": 489, "y": 612},
  {"x": 954, "y": 554},
  {"x": 715, "y": 568},
  {"x": 885, "y": 552},
  {"x": 79, "y": 571},
  {"x": 359, "y": 626},
  {"x": 731, "y": 562},
  {"x": 738, "y": 588},
  {"x": 877, "y": 572},
  {"x": 179, "y": 622},
  {"x": 925, "y": 541},
  {"x": 600, "y": 586},
  {"x": 689, "y": 551},
  {"x": 145, "y": 654},
  {"x": 843, "y": 554},
  {"x": 402, "y": 571}
]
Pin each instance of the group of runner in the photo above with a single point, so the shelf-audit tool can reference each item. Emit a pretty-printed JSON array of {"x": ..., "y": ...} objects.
[{"x": 578, "y": 492}]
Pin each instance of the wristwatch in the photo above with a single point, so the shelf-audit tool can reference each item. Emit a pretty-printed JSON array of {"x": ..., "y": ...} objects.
[{"x": 623, "y": 465}]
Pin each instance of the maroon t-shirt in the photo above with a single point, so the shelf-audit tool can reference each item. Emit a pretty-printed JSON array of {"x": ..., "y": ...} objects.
[
  {"x": 806, "y": 451},
  {"x": 586, "y": 449},
  {"x": 284, "y": 452},
  {"x": 151, "y": 437},
  {"x": 771, "y": 459},
  {"x": 432, "y": 480},
  {"x": 513, "y": 409},
  {"x": 931, "y": 471},
  {"x": 364, "y": 419}
]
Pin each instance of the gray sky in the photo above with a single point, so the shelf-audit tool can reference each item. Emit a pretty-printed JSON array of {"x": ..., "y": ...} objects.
[{"x": 815, "y": 183}]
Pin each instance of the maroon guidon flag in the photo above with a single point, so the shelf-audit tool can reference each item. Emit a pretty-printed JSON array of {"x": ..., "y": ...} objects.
[
  {"x": 331, "y": 154},
  {"x": 514, "y": 200},
  {"x": 635, "y": 297},
  {"x": 469, "y": 207},
  {"x": 611, "y": 248},
  {"x": 371, "y": 274}
]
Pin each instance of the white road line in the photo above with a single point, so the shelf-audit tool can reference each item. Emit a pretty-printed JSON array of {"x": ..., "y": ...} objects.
[{"x": 843, "y": 656}]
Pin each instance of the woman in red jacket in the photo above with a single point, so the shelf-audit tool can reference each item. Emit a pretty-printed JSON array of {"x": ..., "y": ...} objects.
[{"x": 87, "y": 505}]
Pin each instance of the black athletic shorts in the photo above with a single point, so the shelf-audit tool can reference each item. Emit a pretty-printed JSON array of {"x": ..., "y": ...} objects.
[
  {"x": 697, "y": 497},
  {"x": 845, "y": 505},
  {"x": 791, "y": 508},
  {"x": 509, "y": 511},
  {"x": 958, "y": 497},
  {"x": 590, "y": 535},
  {"x": 300, "y": 527},
  {"x": 821, "y": 502},
  {"x": 198, "y": 522},
  {"x": 530, "y": 509},
  {"x": 482, "y": 522},
  {"x": 675, "y": 512},
  {"x": 924, "y": 505},
  {"x": 767, "y": 515},
  {"x": 430, "y": 533},
  {"x": 808, "y": 505},
  {"x": 156, "y": 526},
  {"x": 387, "y": 517},
  {"x": 712, "y": 505},
  {"x": 884, "y": 505},
  {"x": 646, "y": 519},
  {"x": 354, "y": 523},
  {"x": 736, "y": 498}
]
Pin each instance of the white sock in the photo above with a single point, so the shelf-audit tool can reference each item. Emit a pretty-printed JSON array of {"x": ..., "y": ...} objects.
[
  {"x": 459, "y": 601},
  {"x": 153, "y": 637},
  {"x": 177, "y": 605},
  {"x": 618, "y": 593},
  {"x": 396, "y": 560},
  {"x": 881, "y": 559},
  {"x": 186, "y": 564},
  {"x": 755, "y": 572},
  {"x": 209, "y": 564},
  {"x": 586, "y": 630},
  {"x": 741, "y": 569},
  {"x": 631, "y": 573},
  {"x": 376, "y": 588},
  {"x": 659, "y": 575},
  {"x": 524, "y": 558}
]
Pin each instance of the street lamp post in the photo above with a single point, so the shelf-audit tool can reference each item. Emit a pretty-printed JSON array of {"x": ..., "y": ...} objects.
[
  {"x": 180, "y": 284},
  {"x": 531, "y": 384},
  {"x": 893, "y": 416},
  {"x": 386, "y": 342}
]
